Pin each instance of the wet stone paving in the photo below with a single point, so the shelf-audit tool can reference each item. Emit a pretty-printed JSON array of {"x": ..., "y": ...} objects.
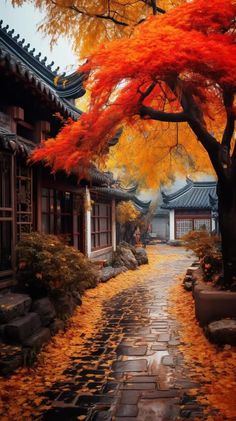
[{"x": 131, "y": 370}]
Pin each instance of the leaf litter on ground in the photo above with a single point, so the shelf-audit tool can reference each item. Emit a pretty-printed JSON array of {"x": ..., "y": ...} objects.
[{"x": 213, "y": 367}]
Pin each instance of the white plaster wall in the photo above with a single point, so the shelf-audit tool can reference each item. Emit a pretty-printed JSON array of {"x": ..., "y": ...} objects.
[
  {"x": 160, "y": 227},
  {"x": 213, "y": 223},
  {"x": 172, "y": 224}
]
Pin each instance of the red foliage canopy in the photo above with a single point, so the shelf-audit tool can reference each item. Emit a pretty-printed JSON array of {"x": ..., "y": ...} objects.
[{"x": 172, "y": 67}]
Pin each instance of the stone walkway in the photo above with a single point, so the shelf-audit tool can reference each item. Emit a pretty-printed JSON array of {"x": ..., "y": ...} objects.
[{"x": 131, "y": 370}]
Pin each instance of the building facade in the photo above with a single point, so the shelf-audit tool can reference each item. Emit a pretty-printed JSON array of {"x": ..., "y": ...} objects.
[
  {"x": 192, "y": 207},
  {"x": 31, "y": 198}
]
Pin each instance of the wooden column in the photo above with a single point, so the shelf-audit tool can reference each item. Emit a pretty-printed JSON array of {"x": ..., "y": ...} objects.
[
  {"x": 113, "y": 224},
  {"x": 87, "y": 233}
]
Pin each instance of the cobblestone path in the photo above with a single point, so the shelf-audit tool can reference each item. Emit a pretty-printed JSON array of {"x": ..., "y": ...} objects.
[{"x": 131, "y": 370}]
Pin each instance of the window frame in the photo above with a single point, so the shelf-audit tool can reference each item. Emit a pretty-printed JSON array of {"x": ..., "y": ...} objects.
[{"x": 101, "y": 225}]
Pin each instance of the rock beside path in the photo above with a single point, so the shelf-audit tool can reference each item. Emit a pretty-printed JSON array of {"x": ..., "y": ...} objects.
[
  {"x": 111, "y": 272},
  {"x": 125, "y": 257},
  {"x": 129, "y": 256},
  {"x": 222, "y": 332},
  {"x": 141, "y": 255}
]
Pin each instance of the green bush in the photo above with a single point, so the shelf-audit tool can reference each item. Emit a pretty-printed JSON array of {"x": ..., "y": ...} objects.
[{"x": 46, "y": 265}]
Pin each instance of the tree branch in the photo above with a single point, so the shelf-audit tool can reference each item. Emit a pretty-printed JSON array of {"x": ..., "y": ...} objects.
[
  {"x": 228, "y": 98},
  {"x": 144, "y": 94},
  {"x": 148, "y": 112},
  {"x": 154, "y": 6},
  {"x": 111, "y": 14},
  {"x": 90, "y": 15},
  {"x": 194, "y": 116},
  {"x": 196, "y": 122}
]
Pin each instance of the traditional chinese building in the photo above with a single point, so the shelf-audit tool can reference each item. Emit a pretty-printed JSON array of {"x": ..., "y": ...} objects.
[
  {"x": 31, "y": 198},
  {"x": 192, "y": 207}
]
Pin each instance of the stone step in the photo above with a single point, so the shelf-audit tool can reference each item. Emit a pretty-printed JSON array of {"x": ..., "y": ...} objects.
[
  {"x": 11, "y": 358},
  {"x": 13, "y": 306},
  {"x": 20, "y": 329},
  {"x": 45, "y": 309},
  {"x": 38, "y": 339}
]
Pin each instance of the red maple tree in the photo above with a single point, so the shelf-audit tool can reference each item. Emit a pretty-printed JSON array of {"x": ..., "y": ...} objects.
[{"x": 177, "y": 67}]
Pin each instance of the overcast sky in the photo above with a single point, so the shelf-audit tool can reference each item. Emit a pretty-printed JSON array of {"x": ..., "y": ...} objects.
[{"x": 25, "y": 20}]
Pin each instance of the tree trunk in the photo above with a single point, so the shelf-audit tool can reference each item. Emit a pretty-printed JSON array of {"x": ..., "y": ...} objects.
[{"x": 227, "y": 223}]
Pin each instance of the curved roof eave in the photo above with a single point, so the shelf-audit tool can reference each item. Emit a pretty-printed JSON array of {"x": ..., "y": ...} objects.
[{"x": 19, "y": 53}]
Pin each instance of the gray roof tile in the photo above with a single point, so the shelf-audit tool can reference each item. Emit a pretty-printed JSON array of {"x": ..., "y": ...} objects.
[{"x": 195, "y": 195}]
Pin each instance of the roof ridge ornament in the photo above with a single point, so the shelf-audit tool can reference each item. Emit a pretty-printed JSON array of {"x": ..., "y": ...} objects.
[
  {"x": 49, "y": 66},
  {"x": 38, "y": 56},
  {"x": 5, "y": 28},
  {"x": 188, "y": 180},
  {"x": 21, "y": 42},
  {"x": 26, "y": 47},
  {"x": 43, "y": 61},
  {"x": 70, "y": 86}
]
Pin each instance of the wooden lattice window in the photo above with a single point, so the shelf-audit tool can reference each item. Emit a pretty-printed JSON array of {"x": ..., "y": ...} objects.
[
  {"x": 58, "y": 216},
  {"x": 24, "y": 205},
  {"x": 200, "y": 224},
  {"x": 183, "y": 226},
  {"x": 6, "y": 214},
  {"x": 101, "y": 225}
]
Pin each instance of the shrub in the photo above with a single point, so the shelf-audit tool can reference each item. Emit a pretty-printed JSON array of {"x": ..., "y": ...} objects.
[
  {"x": 46, "y": 265},
  {"x": 211, "y": 266},
  {"x": 201, "y": 243},
  {"x": 207, "y": 249}
]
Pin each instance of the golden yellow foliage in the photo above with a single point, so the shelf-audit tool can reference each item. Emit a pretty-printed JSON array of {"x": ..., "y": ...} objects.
[
  {"x": 153, "y": 153},
  {"x": 213, "y": 368},
  {"x": 126, "y": 212},
  {"x": 88, "y": 23}
]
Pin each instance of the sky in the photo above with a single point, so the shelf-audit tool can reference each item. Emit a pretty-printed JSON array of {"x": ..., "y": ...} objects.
[{"x": 24, "y": 20}]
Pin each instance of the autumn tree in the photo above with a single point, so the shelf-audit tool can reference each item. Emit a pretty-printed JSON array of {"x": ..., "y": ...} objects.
[
  {"x": 178, "y": 67},
  {"x": 88, "y": 23},
  {"x": 127, "y": 216}
]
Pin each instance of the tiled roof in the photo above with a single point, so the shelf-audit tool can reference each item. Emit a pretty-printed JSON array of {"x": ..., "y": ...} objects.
[
  {"x": 13, "y": 143},
  {"x": 100, "y": 177},
  {"x": 17, "y": 56},
  {"x": 121, "y": 194},
  {"x": 195, "y": 195}
]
